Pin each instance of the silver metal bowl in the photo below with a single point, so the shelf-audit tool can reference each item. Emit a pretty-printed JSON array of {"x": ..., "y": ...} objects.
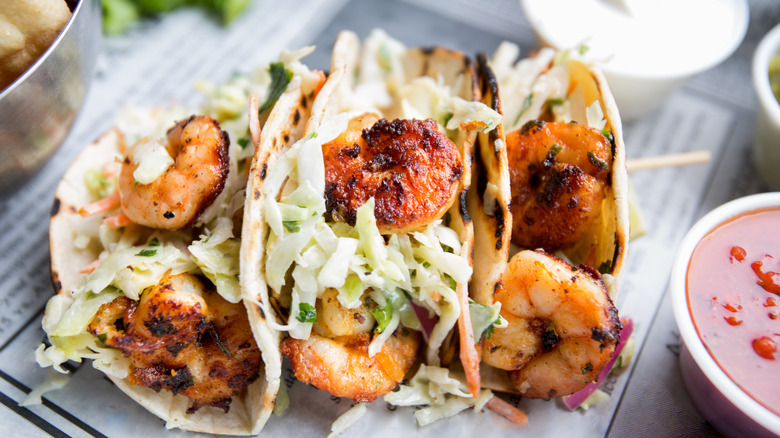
[{"x": 37, "y": 111}]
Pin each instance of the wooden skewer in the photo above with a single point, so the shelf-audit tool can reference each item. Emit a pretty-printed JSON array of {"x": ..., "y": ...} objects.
[{"x": 682, "y": 159}]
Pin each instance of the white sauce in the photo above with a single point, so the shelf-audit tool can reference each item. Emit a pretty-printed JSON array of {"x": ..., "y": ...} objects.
[{"x": 652, "y": 37}]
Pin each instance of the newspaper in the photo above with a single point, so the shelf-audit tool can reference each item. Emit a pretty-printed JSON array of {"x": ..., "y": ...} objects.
[{"x": 159, "y": 62}]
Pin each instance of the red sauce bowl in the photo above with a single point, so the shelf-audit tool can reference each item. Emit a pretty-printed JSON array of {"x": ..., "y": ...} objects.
[{"x": 723, "y": 300}]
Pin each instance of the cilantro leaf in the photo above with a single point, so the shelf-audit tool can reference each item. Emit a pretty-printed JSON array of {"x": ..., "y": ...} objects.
[{"x": 280, "y": 77}]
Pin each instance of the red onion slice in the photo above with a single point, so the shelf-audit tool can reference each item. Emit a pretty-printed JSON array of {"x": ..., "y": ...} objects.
[
  {"x": 573, "y": 401},
  {"x": 426, "y": 321}
]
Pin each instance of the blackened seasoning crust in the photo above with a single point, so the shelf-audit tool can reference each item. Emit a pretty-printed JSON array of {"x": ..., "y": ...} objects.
[{"x": 410, "y": 168}]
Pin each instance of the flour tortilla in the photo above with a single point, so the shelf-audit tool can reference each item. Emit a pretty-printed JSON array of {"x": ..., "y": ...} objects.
[
  {"x": 453, "y": 67},
  {"x": 251, "y": 408},
  {"x": 605, "y": 244}
]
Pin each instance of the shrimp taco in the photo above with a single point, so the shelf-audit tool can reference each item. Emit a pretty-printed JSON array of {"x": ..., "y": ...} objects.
[
  {"x": 568, "y": 224},
  {"x": 145, "y": 241},
  {"x": 361, "y": 242}
]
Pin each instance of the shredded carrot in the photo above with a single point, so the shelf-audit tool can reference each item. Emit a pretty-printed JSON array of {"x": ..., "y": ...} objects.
[
  {"x": 109, "y": 169},
  {"x": 90, "y": 267},
  {"x": 100, "y": 206},
  {"x": 506, "y": 410},
  {"x": 388, "y": 363},
  {"x": 118, "y": 221},
  {"x": 468, "y": 351},
  {"x": 254, "y": 119},
  {"x": 317, "y": 88}
]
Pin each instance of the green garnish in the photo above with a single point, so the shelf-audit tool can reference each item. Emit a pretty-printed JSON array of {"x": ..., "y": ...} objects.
[
  {"x": 383, "y": 315},
  {"x": 154, "y": 242},
  {"x": 147, "y": 253},
  {"x": 119, "y": 15},
  {"x": 554, "y": 149},
  {"x": 280, "y": 78},
  {"x": 306, "y": 313},
  {"x": 453, "y": 283},
  {"x": 243, "y": 142},
  {"x": 605, "y": 267},
  {"x": 598, "y": 162},
  {"x": 608, "y": 133},
  {"x": 291, "y": 226},
  {"x": 554, "y": 102},
  {"x": 583, "y": 48},
  {"x": 526, "y": 104},
  {"x": 218, "y": 341},
  {"x": 102, "y": 338}
]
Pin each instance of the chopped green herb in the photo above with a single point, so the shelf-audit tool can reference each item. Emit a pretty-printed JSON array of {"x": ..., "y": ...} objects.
[
  {"x": 426, "y": 265},
  {"x": 102, "y": 337},
  {"x": 583, "y": 49},
  {"x": 447, "y": 118},
  {"x": 218, "y": 341},
  {"x": 605, "y": 267},
  {"x": 554, "y": 102},
  {"x": 453, "y": 283},
  {"x": 608, "y": 133},
  {"x": 446, "y": 248},
  {"x": 147, "y": 253},
  {"x": 313, "y": 134},
  {"x": 291, "y": 226},
  {"x": 598, "y": 162},
  {"x": 554, "y": 149},
  {"x": 618, "y": 363},
  {"x": 280, "y": 78},
  {"x": 154, "y": 242},
  {"x": 243, "y": 142},
  {"x": 306, "y": 313},
  {"x": 383, "y": 315},
  {"x": 526, "y": 104}
]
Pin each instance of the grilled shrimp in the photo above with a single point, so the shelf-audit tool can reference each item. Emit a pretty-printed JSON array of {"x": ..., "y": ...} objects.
[
  {"x": 563, "y": 327},
  {"x": 174, "y": 200},
  {"x": 335, "y": 357},
  {"x": 558, "y": 172},
  {"x": 410, "y": 168},
  {"x": 184, "y": 338}
]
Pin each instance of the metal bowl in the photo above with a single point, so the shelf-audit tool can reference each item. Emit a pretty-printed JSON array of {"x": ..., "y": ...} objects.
[{"x": 37, "y": 111}]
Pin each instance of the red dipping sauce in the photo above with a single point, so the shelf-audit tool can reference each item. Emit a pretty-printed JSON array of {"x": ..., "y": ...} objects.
[{"x": 733, "y": 287}]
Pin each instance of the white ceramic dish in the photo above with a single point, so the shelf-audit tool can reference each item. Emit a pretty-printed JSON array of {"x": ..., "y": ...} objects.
[
  {"x": 645, "y": 49},
  {"x": 733, "y": 412},
  {"x": 767, "y": 134}
]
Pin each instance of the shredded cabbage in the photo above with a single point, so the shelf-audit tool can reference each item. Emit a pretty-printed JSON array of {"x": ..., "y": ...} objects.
[
  {"x": 152, "y": 158},
  {"x": 440, "y": 393},
  {"x": 216, "y": 253},
  {"x": 484, "y": 319},
  {"x": 52, "y": 382},
  {"x": 347, "y": 419}
]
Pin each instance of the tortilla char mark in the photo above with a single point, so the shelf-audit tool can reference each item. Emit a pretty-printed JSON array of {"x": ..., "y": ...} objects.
[{"x": 410, "y": 168}]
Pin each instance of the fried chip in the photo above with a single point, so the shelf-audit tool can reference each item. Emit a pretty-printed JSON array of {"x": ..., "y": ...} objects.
[{"x": 27, "y": 29}]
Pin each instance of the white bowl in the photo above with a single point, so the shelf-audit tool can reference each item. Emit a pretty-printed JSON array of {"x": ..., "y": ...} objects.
[
  {"x": 647, "y": 57},
  {"x": 766, "y": 144},
  {"x": 729, "y": 409}
]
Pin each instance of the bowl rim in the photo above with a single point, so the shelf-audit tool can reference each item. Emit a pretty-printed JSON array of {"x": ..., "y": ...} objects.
[
  {"x": 741, "y": 20},
  {"x": 52, "y": 47},
  {"x": 768, "y": 47},
  {"x": 741, "y": 400}
]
